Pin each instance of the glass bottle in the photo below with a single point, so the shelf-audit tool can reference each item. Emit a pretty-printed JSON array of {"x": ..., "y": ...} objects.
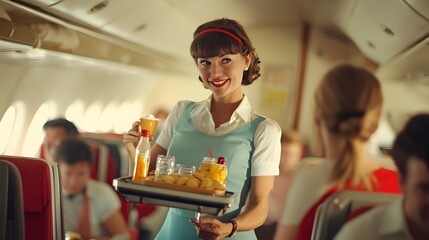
[
  {"x": 142, "y": 158},
  {"x": 206, "y": 165}
]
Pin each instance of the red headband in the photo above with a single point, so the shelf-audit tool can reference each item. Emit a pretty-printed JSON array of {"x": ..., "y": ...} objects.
[{"x": 221, "y": 31}]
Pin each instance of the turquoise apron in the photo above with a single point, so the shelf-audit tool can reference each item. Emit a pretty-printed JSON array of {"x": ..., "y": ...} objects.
[{"x": 190, "y": 146}]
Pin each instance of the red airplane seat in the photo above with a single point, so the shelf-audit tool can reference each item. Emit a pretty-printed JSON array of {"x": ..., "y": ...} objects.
[
  {"x": 145, "y": 210},
  {"x": 103, "y": 166},
  {"x": 42, "y": 197}
]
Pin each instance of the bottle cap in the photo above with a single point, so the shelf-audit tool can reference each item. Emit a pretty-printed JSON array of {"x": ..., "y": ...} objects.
[
  {"x": 221, "y": 160},
  {"x": 145, "y": 133}
]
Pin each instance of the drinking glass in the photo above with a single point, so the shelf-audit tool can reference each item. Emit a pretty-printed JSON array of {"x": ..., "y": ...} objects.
[
  {"x": 164, "y": 165},
  {"x": 184, "y": 169}
]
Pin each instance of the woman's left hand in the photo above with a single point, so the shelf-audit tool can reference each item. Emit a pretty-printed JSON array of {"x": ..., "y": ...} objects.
[{"x": 211, "y": 228}]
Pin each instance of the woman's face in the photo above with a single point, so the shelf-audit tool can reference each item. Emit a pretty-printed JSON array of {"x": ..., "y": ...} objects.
[{"x": 223, "y": 75}]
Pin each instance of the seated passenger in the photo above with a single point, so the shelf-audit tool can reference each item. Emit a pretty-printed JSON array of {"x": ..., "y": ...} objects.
[
  {"x": 91, "y": 208},
  {"x": 409, "y": 217},
  {"x": 59, "y": 129},
  {"x": 56, "y": 130},
  {"x": 348, "y": 108}
]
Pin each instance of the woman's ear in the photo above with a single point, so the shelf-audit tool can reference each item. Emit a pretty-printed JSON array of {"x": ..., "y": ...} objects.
[{"x": 247, "y": 61}]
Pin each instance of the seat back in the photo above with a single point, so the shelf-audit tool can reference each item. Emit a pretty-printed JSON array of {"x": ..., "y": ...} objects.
[
  {"x": 11, "y": 203},
  {"x": 341, "y": 206},
  {"x": 42, "y": 197}
]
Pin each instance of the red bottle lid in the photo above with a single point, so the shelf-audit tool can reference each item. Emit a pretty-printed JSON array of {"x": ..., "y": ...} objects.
[
  {"x": 145, "y": 133},
  {"x": 221, "y": 160}
]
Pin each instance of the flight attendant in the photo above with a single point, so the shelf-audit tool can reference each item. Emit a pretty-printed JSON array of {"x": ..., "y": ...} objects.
[{"x": 227, "y": 124}]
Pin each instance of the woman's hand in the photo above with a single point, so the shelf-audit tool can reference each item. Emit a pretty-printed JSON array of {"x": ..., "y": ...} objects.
[
  {"x": 131, "y": 138},
  {"x": 211, "y": 228}
]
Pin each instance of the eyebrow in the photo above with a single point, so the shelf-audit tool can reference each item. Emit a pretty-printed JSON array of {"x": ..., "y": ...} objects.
[{"x": 214, "y": 56}]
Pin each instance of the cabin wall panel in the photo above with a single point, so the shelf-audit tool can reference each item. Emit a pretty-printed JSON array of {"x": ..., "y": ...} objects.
[
  {"x": 174, "y": 89},
  {"x": 325, "y": 52},
  {"x": 277, "y": 46},
  {"x": 403, "y": 100},
  {"x": 11, "y": 76}
]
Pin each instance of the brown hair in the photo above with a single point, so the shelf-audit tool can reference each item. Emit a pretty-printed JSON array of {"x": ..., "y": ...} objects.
[
  {"x": 412, "y": 141},
  {"x": 344, "y": 99},
  {"x": 213, "y": 44}
]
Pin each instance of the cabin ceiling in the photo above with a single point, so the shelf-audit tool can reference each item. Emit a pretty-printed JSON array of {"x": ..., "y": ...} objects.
[
  {"x": 157, "y": 33},
  {"x": 167, "y": 25}
]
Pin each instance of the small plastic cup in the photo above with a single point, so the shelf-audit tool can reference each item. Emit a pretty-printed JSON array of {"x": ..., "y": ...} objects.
[{"x": 150, "y": 123}]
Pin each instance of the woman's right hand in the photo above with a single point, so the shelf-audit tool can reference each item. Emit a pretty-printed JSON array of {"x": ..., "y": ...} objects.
[{"x": 131, "y": 138}]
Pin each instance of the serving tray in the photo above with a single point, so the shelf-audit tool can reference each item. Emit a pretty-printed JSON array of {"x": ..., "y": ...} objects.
[
  {"x": 183, "y": 188},
  {"x": 174, "y": 197}
]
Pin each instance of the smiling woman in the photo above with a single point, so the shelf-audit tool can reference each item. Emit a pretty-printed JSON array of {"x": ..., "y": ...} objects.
[
  {"x": 226, "y": 123},
  {"x": 104, "y": 69}
]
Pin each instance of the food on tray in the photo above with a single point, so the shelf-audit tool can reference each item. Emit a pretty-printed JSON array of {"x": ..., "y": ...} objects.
[{"x": 195, "y": 180}]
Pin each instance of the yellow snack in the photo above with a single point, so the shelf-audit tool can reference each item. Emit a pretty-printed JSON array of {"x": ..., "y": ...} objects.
[
  {"x": 150, "y": 178},
  {"x": 182, "y": 180},
  {"x": 193, "y": 182},
  {"x": 176, "y": 176},
  {"x": 168, "y": 179},
  {"x": 218, "y": 186},
  {"x": 198, "y": 175},
  {"x": 206, "y": 183}
]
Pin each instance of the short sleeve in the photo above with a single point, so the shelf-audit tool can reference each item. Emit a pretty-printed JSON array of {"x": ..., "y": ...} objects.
[
  {"x": 266, "y": 156},
  {"x": 110, "y": 204},
  {"x": 166, "y": 134}
]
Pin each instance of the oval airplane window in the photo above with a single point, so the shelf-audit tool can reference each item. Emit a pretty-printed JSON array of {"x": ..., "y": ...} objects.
[
  {"x": 91, "y": 117},
  {"x": 108, "y": 117},
  {"x": 74, "y": 112},
  {"x": 6, "y": 127},
  {"x": 35, "y": 134},
  {"x": 11, "y": 122},
  {"x": 127, "y": 113}
]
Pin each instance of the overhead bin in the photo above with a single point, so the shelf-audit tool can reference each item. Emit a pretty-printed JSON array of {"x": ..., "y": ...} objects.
[
  {"x": 412, "y": 65},
  {"x": 29, "y": 27},
  {"x": 382, "y": 34},
  {"x": 142, "y": 25},
  {"x": 95, "y": 13},
  {"x": 420, "y": 6},
  {"x": 16, "y": 38},
  {"x": 42, "y": 3}
]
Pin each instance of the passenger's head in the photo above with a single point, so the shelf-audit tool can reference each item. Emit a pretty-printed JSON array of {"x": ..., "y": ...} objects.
[
  {"x": 74, "y": 159},
  {"x": 349, "y": 102},
  {"x": 57, "y": 130},
  {"x": 348, "y": 107},
  {"x": 411, "y": 155},
  {"x": 226, "y": 36},
  {"x": 292, "y": 150},
  {"x": 161, "y": 114}
]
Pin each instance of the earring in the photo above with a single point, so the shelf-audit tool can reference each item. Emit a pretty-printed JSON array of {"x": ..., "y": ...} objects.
[{"x": 247, "y": 68}]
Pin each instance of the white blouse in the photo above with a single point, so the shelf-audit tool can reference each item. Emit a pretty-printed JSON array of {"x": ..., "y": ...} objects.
[{"x": 266, "y": 156}]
